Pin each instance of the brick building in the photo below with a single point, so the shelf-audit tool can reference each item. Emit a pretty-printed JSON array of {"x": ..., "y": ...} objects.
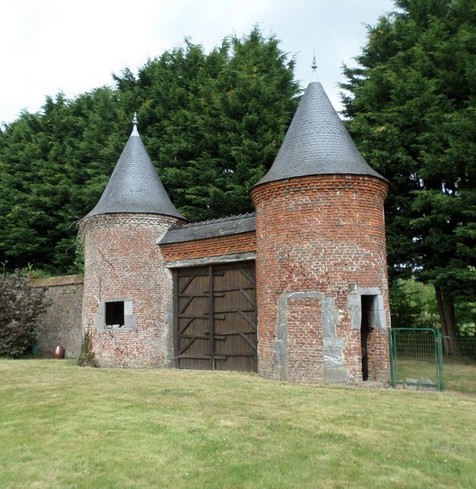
[{"x": 296, "y": 291}]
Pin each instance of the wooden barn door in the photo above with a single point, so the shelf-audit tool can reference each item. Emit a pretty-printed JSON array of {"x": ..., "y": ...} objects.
[{"x": 215, "y": 317}]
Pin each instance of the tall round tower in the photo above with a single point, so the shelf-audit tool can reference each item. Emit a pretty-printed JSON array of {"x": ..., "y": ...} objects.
[
  {"x": 127, "y": 305},
  {"x": 321, "y": 267}
]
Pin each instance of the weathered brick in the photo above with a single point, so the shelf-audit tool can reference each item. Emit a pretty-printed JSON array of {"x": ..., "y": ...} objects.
[
  {"x": 123, "y": 261},
  {"x": 218, "y": 246},
  {"x": 320, "y": 234}
]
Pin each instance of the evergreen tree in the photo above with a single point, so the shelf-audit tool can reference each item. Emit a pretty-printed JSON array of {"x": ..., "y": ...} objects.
[
  {"x": 212, "y": 123},
  {"x": 412, "y": 112},
  {"x": 53, "y": 168}
]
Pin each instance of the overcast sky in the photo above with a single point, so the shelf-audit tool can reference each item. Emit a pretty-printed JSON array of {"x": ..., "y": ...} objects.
[{"x": 48, "y": 46}]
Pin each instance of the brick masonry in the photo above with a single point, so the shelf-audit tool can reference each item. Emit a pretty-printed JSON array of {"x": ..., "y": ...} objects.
[
  {"x": 322, "y": 237},
  {"x": 123, "y": 262},
  {"x": 218, "y": 246},
  {"x": 318, "y": 239},
  {"x": 319, "y": 245}
]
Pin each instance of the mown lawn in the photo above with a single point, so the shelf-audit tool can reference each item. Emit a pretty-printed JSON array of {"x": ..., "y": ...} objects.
[
  {"x": 457, "y": 376},
  {"x": 62, "y": 426}
]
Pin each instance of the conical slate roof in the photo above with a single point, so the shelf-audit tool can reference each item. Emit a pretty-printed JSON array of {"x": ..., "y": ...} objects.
[
  {"x": 317, "y": 143},
  {"x": 135, "y": 186}
]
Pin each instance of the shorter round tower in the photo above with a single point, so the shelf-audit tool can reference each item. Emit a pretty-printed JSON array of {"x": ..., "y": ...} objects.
[
  {"x": 321, "y": 268},
  {"x": 127, "y": 305}
]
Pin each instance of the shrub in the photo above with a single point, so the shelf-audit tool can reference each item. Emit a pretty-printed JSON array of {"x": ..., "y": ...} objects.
[
  {"x": 87, "y": 358},
  {"x": 21, "y": 306}
]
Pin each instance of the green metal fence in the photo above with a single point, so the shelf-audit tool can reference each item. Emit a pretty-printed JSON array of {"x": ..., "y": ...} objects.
[
  {"x": 461, "y": 350},
  {"x": 416, "y": 358}
]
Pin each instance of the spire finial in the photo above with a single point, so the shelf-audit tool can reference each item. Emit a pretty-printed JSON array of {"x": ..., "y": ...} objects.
[
  {"x": 314, "y": 64},
  {"x": 314, "y": 61},
  {"x": 135, "y": 122}
]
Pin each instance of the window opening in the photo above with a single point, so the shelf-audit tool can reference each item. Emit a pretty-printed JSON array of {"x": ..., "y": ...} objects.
[{"x": 115, "y": 314}]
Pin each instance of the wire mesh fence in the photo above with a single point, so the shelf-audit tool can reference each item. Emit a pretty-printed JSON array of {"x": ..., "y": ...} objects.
[
  {"x": 423, "y": 359},
  {"x": 459, "y": 350},
  {"x": 416, "y": 358}
]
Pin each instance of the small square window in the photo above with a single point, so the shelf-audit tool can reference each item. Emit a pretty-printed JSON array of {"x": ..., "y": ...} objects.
[{"x": 115, "y": 314}]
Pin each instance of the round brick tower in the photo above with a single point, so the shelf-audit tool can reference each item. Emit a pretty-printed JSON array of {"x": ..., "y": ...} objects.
[
  {"x": 127, "y": 305},
  {"x": 321, "y": 267}
]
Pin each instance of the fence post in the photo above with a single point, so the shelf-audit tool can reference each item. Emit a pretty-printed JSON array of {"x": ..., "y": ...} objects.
[
  {"x": 393, "y": 357},
  {"x": 439, "y": 360}
]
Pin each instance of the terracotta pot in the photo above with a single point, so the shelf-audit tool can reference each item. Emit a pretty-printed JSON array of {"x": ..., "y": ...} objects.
[{"x": 58, "y": 352}]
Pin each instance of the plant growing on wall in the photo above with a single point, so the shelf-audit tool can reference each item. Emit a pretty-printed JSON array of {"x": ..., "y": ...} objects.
[
  {"x": 87, "y": 358},
  {"x": 19, "y": 314}
]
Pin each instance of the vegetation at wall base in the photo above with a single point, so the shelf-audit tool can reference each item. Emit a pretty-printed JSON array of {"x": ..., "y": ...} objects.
[
  {"x": 87, "y": 358},
  {"x": 65, "y": 426}
]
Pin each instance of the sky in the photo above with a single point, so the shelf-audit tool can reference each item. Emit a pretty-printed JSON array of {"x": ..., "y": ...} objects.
[{"x": 72, "y": 46}]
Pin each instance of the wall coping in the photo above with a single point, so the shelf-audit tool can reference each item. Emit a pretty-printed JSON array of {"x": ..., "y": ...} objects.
[{"x": 57, "y": 281}]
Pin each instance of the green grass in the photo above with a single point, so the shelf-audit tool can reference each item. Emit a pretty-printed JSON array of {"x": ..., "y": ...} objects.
[
  {"x": 457, "y": 377},
  {"x": 62, "y": 426},
  {"x": 461, "y": 378}
]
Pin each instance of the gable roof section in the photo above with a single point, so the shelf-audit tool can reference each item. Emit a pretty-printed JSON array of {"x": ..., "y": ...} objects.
[
  {"x": 135, "y": 186},
  {"x": 226, "y": 226},
  {"x": 316, "y": 143}
]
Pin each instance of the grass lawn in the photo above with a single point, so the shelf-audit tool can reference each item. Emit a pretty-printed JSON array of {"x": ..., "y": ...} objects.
[
  {"x": 457, "y": 377},
  {"x": 62, "y": 426},
  {"x": 460, "y": 377}
]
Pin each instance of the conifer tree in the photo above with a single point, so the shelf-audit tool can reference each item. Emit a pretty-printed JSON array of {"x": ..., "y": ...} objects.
[
  {"x": 411, "y": 102},
  {"x": 212, "y": 123}
]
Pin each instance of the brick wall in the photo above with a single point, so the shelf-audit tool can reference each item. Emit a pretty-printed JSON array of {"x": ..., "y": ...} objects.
[
  {"x": 319, "y": 244},
  {"x": 218, "y": 246},
  {"x": 60, "y": 324},
  {"x": 123, "y": 262},
  {"x": 323, "y": 235}
]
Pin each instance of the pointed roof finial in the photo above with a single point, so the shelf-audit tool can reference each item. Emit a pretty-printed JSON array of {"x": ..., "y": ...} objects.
[
  {"x": 135, "y": 132},
  {"x": 314, "y": 61}
]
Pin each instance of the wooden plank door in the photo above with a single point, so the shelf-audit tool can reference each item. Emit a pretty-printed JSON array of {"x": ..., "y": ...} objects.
[
  {"x": 215, "y": 309},
  {"x": 235, "y": 317},
  {"x": 193, "y": 332}
]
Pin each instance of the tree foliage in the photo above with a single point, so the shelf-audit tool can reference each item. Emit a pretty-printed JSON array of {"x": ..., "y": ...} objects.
[
  {"x": 212, "y": 123},
  {"x": 412, "y": 107},
  {"x": 413, "y": 304},
  {"x": 53, "y": 167},
  {"x": 19, "y": 313}
]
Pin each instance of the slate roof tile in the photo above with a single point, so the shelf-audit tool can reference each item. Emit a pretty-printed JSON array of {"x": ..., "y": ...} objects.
[
  {"x": 135, "y": 186},
  {"x": 224, "y": 226},
  {"x": 317, "y": 142}
]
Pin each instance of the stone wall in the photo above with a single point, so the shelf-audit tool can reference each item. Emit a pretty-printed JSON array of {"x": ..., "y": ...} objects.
[{"x": 61, "y": 322}]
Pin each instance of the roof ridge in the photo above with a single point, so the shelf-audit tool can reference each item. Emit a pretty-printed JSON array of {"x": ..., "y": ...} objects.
[{"x": 216, "y": 220}]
